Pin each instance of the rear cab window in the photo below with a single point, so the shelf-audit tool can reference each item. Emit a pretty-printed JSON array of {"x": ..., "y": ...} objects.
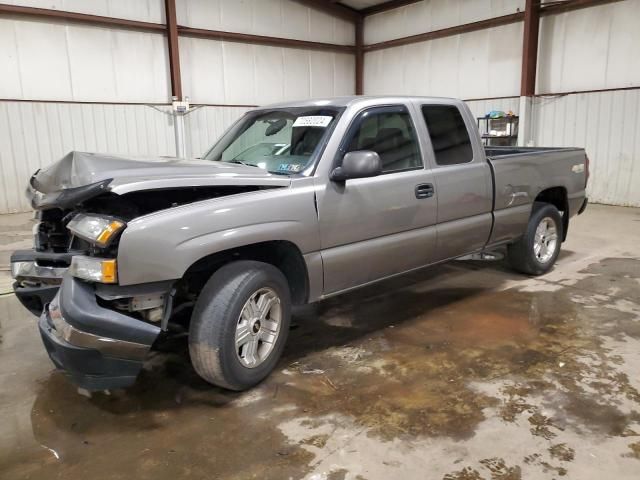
[{"x": 449, "y": 135}]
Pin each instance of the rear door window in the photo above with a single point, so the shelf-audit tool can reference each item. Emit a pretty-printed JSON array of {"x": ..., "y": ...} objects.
[{"x": 448, "y": 133}]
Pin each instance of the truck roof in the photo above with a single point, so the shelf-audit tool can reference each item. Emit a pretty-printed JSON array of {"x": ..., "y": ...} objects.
[{"x": 352, "y": 100}]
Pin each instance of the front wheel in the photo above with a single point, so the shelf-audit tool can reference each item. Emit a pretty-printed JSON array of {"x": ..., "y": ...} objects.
[
  {"x": 240, "y": 324},
  {"x": 536, "y": 252}
]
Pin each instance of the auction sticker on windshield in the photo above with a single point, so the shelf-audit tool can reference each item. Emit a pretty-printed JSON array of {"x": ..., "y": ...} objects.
[{"x": 313, "y": 121}]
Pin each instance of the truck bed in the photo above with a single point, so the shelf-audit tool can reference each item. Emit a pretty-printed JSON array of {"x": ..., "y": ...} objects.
[
  {"x": 497, "y": 152},
  {"x": 521, "y": 173}
]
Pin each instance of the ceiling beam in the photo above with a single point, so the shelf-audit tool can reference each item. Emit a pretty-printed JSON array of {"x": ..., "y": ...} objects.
[
  {"x": 551, "y": 8},
  {"x": 447, "y": 32},
  {"x": 263, "y": 40},
  {"x": 334, "y": 9},
  {"x": 388, "y": 5}
]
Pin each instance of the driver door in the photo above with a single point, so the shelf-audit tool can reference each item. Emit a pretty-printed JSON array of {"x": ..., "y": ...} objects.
[{"x": 371, "y": 228}]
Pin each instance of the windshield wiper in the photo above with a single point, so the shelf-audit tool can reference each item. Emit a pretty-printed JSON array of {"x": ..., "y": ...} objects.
[
  {"x": 240, "y": 162},
  {"x": 235, "y": 160}
]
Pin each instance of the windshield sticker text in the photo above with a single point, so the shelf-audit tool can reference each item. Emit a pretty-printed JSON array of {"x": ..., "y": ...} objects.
[
  {"x": 289, "y": 167},
  {"x": 313, "y": 121}
]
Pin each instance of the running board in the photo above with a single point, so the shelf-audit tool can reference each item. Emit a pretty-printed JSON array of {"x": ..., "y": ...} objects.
[{"x": 489, "y": 256}]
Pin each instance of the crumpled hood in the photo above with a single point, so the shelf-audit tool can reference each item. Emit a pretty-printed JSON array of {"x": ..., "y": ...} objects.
[{"x": 93, "y": 173}]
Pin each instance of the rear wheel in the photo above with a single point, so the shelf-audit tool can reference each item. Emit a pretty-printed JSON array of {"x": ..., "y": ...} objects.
[
  {"x": 536, "y": 252},
  {"x": 240, "y": 324}
]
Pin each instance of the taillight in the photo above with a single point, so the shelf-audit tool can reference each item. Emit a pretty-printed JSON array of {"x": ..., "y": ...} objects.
[{"x": 586, "y": 170}]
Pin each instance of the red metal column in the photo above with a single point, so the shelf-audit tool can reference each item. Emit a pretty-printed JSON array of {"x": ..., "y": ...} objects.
[
  {"x": 530, "y": 48},
  {"x": 174, "y": 50},
  {"x": 359, "y": 56}
]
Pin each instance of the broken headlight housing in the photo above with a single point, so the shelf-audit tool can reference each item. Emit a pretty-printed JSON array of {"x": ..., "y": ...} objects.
[{"x": 95, "y": 229}]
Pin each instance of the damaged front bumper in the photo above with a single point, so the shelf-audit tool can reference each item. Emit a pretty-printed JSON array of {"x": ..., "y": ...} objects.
[
  {"x": 96, "y": 347},
  {"x": 37, "y": 276}
]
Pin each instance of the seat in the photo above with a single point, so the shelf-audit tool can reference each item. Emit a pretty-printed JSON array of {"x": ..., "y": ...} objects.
[
  {"x": 307, "y": 141},
  {"x": 395, "y": 150}
]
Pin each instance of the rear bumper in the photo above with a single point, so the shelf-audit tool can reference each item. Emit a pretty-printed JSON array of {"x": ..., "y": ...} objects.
[{"x": 96, "y": 347}]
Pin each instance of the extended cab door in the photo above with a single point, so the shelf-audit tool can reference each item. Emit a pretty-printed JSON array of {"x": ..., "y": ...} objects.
[
  {"x": 462, "y": 176},
  {"x": 371, "y": 228}
]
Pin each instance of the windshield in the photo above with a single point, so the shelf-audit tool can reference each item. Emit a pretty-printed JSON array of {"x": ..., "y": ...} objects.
[{"x": 282, "y": 141}]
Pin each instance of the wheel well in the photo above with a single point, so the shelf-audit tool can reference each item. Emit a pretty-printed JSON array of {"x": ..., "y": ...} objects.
[
  {"x": 282, "y": 254},
  {"x": 557, "y": 196}
]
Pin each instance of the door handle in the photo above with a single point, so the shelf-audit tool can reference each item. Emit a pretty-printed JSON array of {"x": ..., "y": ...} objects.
[{"x": 424, "y": 190}]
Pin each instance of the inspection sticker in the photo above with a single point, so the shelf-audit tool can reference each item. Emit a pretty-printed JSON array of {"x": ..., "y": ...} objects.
[
  {"x": 289, "y": 167},
  {"x": 313, "y": 121}
]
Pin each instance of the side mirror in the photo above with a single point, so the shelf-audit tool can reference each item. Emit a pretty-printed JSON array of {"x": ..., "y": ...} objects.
[{"x": 359, "y": 164}]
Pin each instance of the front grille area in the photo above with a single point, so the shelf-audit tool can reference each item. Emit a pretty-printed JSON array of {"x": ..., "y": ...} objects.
[{"x": 50, "y": 234}]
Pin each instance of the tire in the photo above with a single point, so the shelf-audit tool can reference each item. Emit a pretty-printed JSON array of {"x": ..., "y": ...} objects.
[
  {"x": 523, "y": 255},
  {"x": 222, "y": 319}
]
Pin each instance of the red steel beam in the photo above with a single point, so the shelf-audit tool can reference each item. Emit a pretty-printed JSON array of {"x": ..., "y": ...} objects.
[
  {"x": 551, "y": 9},
  {"x": 389, "y": 5},
  {"x": 570, "y": 5},
  {"x": 530, "y": 48},
  {"x": 162, "y": 28},
  {"x": 174, "y": 48},
  {"x": 559, "y": 6},
  {"x": 81, "y": 18},
  {"x": 333, "y": 8},
  {"x": 447, "y": 32},
  {"x": 263, "y": 40},
  {"x": 359, "y": 57}
]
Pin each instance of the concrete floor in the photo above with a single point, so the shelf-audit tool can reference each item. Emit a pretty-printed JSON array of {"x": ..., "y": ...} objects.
[
  {"x": 15, "y": 234},
  {"x": 466, "y": 371}
]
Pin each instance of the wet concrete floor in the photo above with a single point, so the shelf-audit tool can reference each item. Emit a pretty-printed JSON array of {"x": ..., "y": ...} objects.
[{"x": 465, "y": 371}]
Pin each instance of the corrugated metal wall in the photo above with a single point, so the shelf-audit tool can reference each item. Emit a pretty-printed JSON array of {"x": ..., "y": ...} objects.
[
  {"x": 59, "y": 61},
  {"x": 479, "y": 64},
  {"x": 33, "y": 134},
  {"x": 590, "y": 49},
  {"x": 430, "y": 15},
  {"x": 142, "y": 10},
  {"x": 235, "y": 73},
  {"x": 607, "y": 124},
  {"x": 587, "y": 49},
  {"x": 55, "y": 60},
  {"x": 282, "y": 18}
]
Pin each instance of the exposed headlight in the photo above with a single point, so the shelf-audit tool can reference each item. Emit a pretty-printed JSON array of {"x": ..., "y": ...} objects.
[
  {"x": 31, "y": 269},
  {"x": 94, "y": 269},
  {"x": 97, "y": 230}
]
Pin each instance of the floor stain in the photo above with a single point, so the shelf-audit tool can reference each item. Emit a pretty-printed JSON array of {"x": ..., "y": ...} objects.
[
  {"x": 499, "y": 469},
  {"x": 403, "y": 362},
  {"x": 562, "y": 452},
  {"x": 466, "y": 473},
  {"x": 635, "y": 450}
]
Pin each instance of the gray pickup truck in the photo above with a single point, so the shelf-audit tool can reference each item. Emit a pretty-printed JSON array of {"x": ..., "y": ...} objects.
[{"x": 295, "y": 203}]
